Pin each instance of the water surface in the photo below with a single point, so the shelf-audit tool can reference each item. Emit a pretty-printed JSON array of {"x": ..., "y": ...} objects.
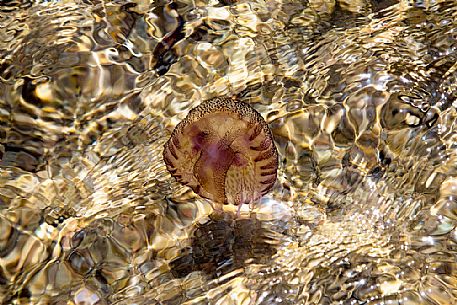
[{"x": 360, "y": 97}]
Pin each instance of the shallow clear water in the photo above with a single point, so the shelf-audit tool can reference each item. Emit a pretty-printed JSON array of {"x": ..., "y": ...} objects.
[{"x": 360, "y": 97}]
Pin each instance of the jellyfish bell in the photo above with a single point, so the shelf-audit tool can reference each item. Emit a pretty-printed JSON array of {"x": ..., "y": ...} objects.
[{"x": 224, "y": 151}]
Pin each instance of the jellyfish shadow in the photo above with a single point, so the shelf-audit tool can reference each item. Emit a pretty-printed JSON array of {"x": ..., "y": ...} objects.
[{"x": 222, "y": 245}]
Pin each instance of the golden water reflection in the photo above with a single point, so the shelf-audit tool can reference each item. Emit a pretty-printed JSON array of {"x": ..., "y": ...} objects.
[{"x": 359, "y": 97}]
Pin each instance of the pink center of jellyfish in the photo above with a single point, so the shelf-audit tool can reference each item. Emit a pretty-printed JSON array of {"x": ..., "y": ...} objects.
[{"x": 224, "y": 151}]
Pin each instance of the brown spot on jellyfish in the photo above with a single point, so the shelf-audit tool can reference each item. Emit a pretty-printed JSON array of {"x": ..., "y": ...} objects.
[{"x": 224, "y": 151}]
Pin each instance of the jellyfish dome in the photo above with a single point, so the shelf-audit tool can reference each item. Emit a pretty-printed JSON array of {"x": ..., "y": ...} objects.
[{"x": 224, "y": 151}]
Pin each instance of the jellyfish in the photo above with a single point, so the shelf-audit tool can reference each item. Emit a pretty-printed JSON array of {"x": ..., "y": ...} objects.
[{"x": 224, "y": 151}]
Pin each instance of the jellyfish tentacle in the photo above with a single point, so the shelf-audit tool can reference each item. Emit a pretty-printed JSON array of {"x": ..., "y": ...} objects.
[{"x": 212, "y": 166}]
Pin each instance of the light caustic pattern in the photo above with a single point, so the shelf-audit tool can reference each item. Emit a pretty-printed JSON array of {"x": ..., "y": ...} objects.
[{"x": 357, "y": 97}]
